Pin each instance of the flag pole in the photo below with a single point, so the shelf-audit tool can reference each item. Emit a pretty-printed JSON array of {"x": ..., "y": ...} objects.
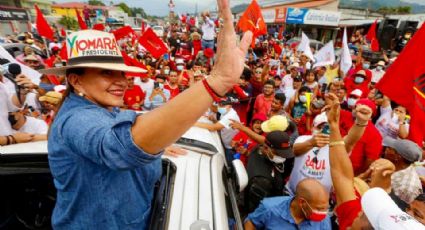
[{"x": 47, "y": 47}]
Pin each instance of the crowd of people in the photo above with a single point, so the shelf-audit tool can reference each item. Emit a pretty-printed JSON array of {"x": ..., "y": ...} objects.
[{"x": 322, "y": 149}]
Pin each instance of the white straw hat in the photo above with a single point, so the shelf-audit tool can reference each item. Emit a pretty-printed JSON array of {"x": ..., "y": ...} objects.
[{"x": 93, "y": 49}]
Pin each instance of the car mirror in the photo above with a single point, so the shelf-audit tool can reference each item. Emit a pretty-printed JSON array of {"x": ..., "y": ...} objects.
[{"x": 241, "y": 174}]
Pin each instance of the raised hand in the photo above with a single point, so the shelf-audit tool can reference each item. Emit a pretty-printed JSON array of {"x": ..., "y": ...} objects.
[{"x": 230, "y": 57}]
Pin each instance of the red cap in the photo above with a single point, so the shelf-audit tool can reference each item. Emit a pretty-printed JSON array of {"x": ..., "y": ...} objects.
[
  {"x": 368, "y": 103},
  {"x": 209, "y": 53},
  {"x": 259, "y": 116}
]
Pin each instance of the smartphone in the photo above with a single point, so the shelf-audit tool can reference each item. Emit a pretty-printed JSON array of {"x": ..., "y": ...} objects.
[
  {"x": 378, "y": 95},
  {"x": 156, "y": 85},
  {"x": 326, "y": 129}
]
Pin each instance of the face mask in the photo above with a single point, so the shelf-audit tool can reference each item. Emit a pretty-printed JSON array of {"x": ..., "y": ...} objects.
[
  {"x": 351, "y": 102},
  {"x": 167, "y": 71},
  {"x": 379, "y": 68},
  {"x": 179, "y": 67},
  {"x": 222, "y": 110},
  {"x": 315, "y": 131},
  {"x": 366, "y": 65},
  {"x": 278, "y": 160},
  {"x": 303, "y": 98},
  {"x": 315, "y": 216},
  {"x": 358, "y": 80},
  {"x": 394, "y": 119}
]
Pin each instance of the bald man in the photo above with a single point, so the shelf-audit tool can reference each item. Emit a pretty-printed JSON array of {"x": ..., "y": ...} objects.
[{"x": 308, "y": 210}]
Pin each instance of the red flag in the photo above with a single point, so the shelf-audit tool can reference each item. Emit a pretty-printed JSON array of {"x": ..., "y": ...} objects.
[
  {"x": 63, "y": 33},
  {"x": 81, "y": 22},
  {"x": 123, "y": 32},
  {"x": 143, "y": 27},
  {"x": 42, "y": 26},
  {"x": 404, "y": 83},
  {"x": 371, "y": 36},
  {"x": 99, "y": 26},
  {"x": 63, "y": 52},
  {"x": 133, "y": 62},
  {"x": 253, "y": 20},
  {"x": 153, "y": 43}
]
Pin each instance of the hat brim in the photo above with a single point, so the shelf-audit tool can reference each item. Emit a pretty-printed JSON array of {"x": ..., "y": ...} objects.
[
  {"x": 109, "y": 66},
  {"x": 285, "y": 153},
  {"x": 265, "y": 127}
]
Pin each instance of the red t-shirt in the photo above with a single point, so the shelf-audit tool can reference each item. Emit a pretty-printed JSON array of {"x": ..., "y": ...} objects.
[
  {"x": 257, "y": 87},
  {"x": 242, "y": 139},
  {"x": 173, "y": 92},
  {"x": 347, "y": 212},
  {"x": 345, "y": 122},
  {"x": 263, "y": 104},
  {"x": 302, "y": 125},
  {"x": 369, "y": 146},
  {"x": 133, "y": 96}
]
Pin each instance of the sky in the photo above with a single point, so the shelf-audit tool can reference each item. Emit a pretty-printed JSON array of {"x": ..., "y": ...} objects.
[{"x": 160, "y": 7}]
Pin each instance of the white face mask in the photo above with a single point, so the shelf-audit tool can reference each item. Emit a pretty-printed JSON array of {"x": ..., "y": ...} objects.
[
  {"x": 278, "y": 159},
  {"x": 179, "y": 67},
  {"x": 222, "y": 110},
  {"x": 394, "y": 119},
  {"x": 166, "y": 71},
  {"x": 351, "y": 102},
  {"x": 316, "y": 131},
  {"x": 303, "y": 98}
]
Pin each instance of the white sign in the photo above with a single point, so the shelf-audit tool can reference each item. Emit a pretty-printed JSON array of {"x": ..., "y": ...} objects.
[
  {"x": 269, "y": 15},
  {"x": 320, "y": 17}
]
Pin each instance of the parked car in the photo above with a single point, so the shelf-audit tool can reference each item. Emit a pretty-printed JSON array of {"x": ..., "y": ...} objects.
[
  {"x": 16, "y": 49},
  {"x": 159, "y": 30},
  {"x": 196, "y": 191}
]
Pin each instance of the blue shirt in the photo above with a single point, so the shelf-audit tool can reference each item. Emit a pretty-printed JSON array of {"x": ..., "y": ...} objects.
[
  {"x": 157, "y": 100},
  {"x": 274, "y": 214},
  {"x": 103, "y": 179}
]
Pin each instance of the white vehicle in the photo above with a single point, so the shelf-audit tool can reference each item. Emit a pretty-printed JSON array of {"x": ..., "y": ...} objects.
[
  {"x": 196, "y": 190},
  {"x": 159, "y": 30}
]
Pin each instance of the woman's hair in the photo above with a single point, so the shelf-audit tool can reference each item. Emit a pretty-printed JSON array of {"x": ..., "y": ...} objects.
[
  {"x": 69, "y": 87},
  {"x": 308, "y": 72}
]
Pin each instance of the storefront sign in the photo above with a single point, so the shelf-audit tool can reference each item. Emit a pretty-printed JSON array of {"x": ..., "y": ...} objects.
[
  {"x": 312, "y": 17},
  {"x": 280, "y": 15},
  {"x": 7, "y": 14},
  {"x": 268, "y": 15},
  {"x": 296, "y": 16}
]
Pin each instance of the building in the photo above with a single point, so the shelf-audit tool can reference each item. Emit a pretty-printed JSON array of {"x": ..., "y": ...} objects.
[
  {"x": 44, "y": 5},
  {"x": 68, "y": 9},
  {"x": 14, "y": 20},
  {"x": 319, "y": 19}
]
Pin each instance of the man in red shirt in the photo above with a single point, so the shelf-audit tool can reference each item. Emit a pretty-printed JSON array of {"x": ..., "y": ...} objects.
[
  {"x": 134, "y": 95},
  {"x": 369, "y": 147},
  {"x": 349, "y": 208},
  {"x": 172, "y": 84},
  {"x": 263, "y": 102}
]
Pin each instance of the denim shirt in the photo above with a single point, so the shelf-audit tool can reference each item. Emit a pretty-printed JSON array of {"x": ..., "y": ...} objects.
[
  {"x": 103, "y": 179},
  {"x": 274, "y": 214}
]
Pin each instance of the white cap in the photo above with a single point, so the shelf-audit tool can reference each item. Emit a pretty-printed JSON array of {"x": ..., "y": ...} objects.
[
  {"x": 356, "y": 92},
  {"x": 294, "y": 65},
  {"x": 384, "y": 214},
  {"x": 320, "y": 119}
]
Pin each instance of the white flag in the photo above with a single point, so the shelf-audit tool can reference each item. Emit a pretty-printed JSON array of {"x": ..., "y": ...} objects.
[
  {"x": 325, "y": 56},
  {"x": 304, "y": 46},
  {"x": 346, "y": 61}
]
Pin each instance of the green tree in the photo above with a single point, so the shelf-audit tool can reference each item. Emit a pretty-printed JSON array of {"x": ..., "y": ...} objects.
[
  {"x": 125, "y": 8},
  {"x": 69, "y": 22},
  {"x": 96, "y": 3},
  {"x": 137, "y": 10}
]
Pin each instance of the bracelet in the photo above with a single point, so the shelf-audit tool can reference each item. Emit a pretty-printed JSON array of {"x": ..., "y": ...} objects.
[
  {"x": 211, "y": 92},
  {"x": 335, "y": 143},
  {"x": 361, "y": 125},
  {"x": 13, "y": 140}
]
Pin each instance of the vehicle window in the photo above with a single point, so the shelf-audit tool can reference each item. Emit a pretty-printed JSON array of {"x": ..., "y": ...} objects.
[{"x": 232, "y": 201}]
